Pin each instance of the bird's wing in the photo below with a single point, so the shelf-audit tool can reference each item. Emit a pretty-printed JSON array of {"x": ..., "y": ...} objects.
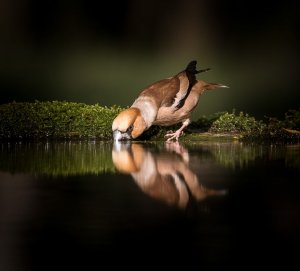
[
  {"x": 184, "y": 88},
  {"x": 182, "y": 85},
  {"x": 169, "y": 92}
]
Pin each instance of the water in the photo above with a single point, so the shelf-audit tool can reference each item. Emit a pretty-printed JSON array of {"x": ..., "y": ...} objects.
[{"x": 214, "y": 206}]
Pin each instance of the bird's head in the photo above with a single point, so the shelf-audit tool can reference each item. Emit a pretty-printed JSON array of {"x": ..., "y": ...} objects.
[
  {"x": 129, "y": 124},
  {"x": 128, "y": 158}
]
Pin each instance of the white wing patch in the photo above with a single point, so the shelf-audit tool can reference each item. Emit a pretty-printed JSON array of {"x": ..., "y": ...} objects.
[{"x": 183, "y": 88}]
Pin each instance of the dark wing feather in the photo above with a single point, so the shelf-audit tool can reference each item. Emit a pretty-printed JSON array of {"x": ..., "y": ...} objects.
[
  {"x": 190, "y": 74},
  {"x": 173, "y": 91}
]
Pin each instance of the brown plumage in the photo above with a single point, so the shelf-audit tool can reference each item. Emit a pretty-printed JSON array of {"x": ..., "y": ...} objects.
[
  {"x": 166, "y": 176},
  {"x": 166, "y": 102}
]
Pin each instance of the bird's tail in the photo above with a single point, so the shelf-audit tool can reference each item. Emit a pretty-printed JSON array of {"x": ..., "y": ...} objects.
[{"x": 191, "y": 68}]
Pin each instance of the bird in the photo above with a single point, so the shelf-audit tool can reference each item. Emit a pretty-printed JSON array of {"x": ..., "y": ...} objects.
[
  {"x": 165, "y": 176},
  {"x": 166, "y": 102}
]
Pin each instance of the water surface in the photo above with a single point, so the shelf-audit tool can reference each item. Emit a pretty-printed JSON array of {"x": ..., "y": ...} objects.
[{"x": 204, "y": 205}]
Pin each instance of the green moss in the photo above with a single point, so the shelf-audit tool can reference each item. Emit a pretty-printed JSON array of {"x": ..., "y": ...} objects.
[
  {"x": 244, "y": 127},
  {"x": 69, "y": 120},
  {"x": 236, "y": 123},
  {"x": 57, "y": 120}
]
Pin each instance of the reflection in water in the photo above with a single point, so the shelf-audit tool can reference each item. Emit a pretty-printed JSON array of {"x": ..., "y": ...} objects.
[
  {"x": 164, "y": 175},
  {"x": 72, "y": 158},
  {"x": 60, "y": 158},
  {"x": 89, "y": 215}
]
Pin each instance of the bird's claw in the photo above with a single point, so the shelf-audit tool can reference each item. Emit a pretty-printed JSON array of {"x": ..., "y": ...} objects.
[
  {"x": 172, "y": 135},
  {"x": 169, "y": 133}
]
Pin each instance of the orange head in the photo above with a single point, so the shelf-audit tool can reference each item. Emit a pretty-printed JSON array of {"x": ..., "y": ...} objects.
[
  {"x": 128, "y": 158},
  {"x": 128, "y": 124}
]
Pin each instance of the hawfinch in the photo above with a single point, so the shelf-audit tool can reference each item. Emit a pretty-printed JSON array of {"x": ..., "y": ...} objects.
[
  {"x": 165, "y": 175},
  {"x": 166, "y": 102}
]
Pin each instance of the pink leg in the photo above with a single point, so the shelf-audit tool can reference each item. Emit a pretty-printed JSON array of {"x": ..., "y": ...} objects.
[{"x": 178, "y": 133}]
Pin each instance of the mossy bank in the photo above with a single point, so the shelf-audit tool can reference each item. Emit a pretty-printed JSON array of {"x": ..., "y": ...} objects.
[
  {"x": 56, "y": 120},
  {"x": 70, "y": 120}
]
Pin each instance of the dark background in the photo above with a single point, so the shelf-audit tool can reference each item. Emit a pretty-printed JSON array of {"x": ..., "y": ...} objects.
[{"x": 106, "y": 52}]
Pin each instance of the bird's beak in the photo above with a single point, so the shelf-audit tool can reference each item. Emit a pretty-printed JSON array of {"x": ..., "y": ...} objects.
[{"x": 118, "y": 135}]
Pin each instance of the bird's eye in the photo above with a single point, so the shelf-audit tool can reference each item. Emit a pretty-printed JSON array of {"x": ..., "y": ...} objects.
[{"x": 130, "y": 128}]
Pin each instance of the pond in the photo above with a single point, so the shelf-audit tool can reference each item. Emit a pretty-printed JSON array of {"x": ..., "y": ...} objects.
[{"x": 205, "y": 205}]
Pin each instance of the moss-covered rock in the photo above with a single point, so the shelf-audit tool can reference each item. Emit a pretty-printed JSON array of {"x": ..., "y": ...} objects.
[{"x": 70, "y": 120}]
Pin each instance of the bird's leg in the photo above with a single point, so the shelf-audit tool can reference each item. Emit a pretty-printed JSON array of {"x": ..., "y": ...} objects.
[
  {"x": 179, "y": 149},
  {"x": 178, "y": 133}
]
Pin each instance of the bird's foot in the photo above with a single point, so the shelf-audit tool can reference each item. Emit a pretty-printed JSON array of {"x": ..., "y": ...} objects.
[
  {"x": 179, "y": 149},
  {"x": 170, "y": 135}
]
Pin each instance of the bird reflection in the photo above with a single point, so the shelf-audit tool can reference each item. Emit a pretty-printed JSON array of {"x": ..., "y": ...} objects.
[{"x": 163, "y": 175}]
